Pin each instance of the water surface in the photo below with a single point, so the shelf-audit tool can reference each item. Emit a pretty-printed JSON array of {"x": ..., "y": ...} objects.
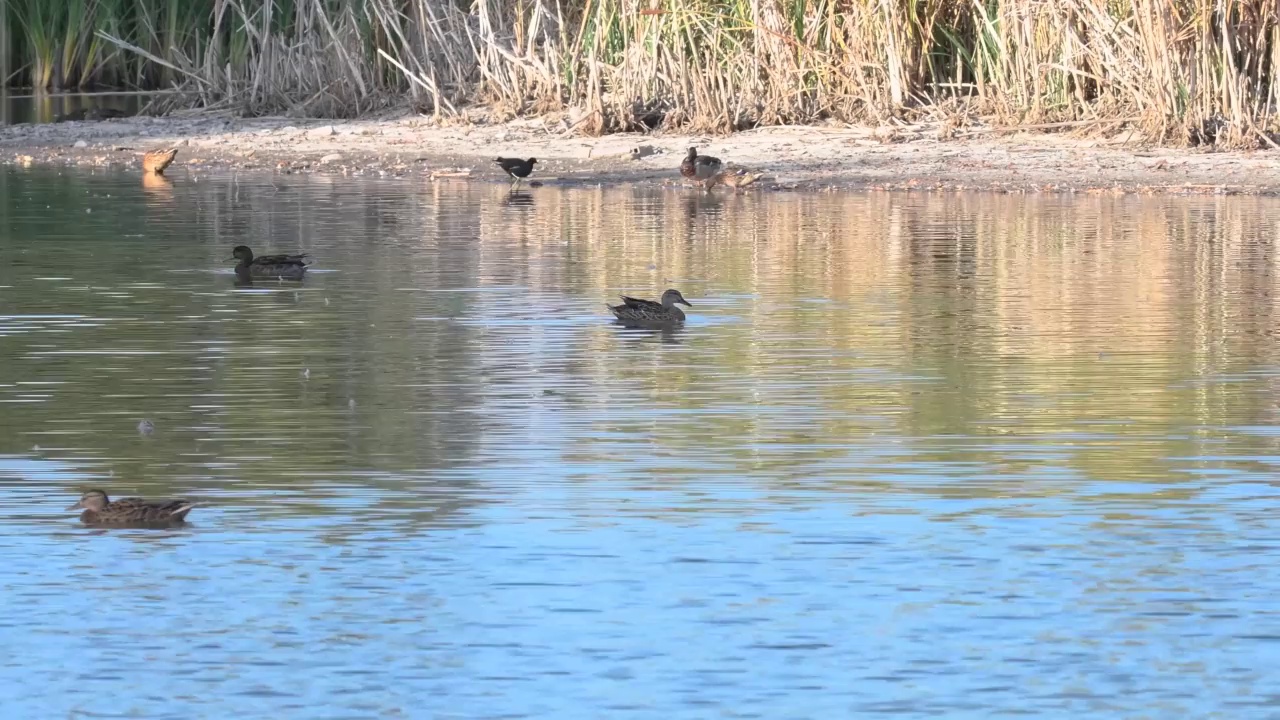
[
  {"x": 912, "y": 456},
  {"x": 51, "y": 107}
]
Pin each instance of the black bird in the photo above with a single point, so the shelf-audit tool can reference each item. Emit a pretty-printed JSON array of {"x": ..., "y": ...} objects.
[{"x": 517, "y": 168}]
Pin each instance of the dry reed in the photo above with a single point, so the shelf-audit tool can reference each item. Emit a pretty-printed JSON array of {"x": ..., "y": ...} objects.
[{"x": 1177, "y": 70}]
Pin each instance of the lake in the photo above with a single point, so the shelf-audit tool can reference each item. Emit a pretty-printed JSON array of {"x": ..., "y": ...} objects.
[
  {"x": 911, "y": 456},
  {"x": 50, "y": 107}
]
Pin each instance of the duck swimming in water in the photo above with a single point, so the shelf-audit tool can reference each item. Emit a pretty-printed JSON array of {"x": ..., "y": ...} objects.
[
  {"x": 283, "y": 267},
  {"x": 100, "y": 510},
  {"x": 647, "y": 313}
]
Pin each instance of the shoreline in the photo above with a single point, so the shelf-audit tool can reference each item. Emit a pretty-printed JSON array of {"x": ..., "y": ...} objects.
[{"x": 810, "y": 158}]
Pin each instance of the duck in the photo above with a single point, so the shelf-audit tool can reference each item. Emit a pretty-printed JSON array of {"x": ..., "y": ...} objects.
[
  {"x": 284, "y": 267},
  {"x": 155, "y": 161},
  {"x": 633, "y": 311},
  {"x": 100, "y": 510},
  {"x": 700, "y": 167},
  {"x": 516, "y": 168},
  {"x": 736, "y": 179}
]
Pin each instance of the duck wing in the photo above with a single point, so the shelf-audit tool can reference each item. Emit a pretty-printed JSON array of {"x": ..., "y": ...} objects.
[
  {"x": 639, "y": 304},
  {"x": 281, "y": 259},
  {"x": 706, "y": 167},
  {"x": 635, "y": 310},
  {"x": 141, "y": 510}
]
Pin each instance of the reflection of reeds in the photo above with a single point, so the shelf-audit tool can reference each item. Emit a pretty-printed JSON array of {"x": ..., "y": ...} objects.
[
  {"x": 864, "y": 329},
  {"x": 1195, "y": 70},
  {"x": 1027, "y": 315}
]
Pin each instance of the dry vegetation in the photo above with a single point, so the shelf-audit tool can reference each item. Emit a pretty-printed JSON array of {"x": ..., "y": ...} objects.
[{"x": 1198, "y": 71}]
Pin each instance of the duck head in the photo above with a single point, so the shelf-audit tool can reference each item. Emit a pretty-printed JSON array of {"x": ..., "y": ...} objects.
[
  {"x": 93, "y": 500},
  {"x": 671, "y": 297}
]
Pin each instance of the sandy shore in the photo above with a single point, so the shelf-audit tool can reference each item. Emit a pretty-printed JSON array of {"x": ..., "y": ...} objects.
[{"x": 807, "y": 158}]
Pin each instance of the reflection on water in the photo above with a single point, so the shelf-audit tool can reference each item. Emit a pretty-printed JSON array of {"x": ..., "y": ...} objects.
[
  {"x": 911, "y": 456},
  {"x": 52, "y": 107}
]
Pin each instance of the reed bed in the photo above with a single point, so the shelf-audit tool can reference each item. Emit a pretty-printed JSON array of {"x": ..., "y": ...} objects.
[{"x": 1198, "y": 71}]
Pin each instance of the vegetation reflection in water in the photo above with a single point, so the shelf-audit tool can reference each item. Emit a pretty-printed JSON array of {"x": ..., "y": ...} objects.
[{"x": 958, "y": 388}]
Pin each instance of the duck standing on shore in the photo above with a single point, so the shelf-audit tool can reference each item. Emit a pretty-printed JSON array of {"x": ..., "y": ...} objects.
[
  {"x": 647, "y": 313},
  {"x": 282, "y": 267},
  {"x": 700, "y": 168},
  {"x": 737, "y": 179},
  {"x": 516, "y": 168}
]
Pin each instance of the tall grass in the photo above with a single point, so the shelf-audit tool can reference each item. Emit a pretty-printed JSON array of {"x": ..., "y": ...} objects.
[{"x": 1182, "y": 70}]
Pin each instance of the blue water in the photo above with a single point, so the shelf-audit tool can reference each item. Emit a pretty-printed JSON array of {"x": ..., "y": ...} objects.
[{"x": 913, "y": 456}]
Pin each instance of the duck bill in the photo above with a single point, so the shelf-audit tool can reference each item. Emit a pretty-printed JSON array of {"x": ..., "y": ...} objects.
[
  {"x": 684, "y": 302},
  {"x": 77, "y": 506}
]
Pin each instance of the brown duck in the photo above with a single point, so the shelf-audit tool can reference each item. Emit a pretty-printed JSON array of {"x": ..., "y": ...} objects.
[
  {"x": 648, "y": 313},
  {"x": 700, "y": 167},
  {"x": 736, "y": 179},
  {"x": 155, "y": 161},
  {"x": 99, "y": 510}
]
